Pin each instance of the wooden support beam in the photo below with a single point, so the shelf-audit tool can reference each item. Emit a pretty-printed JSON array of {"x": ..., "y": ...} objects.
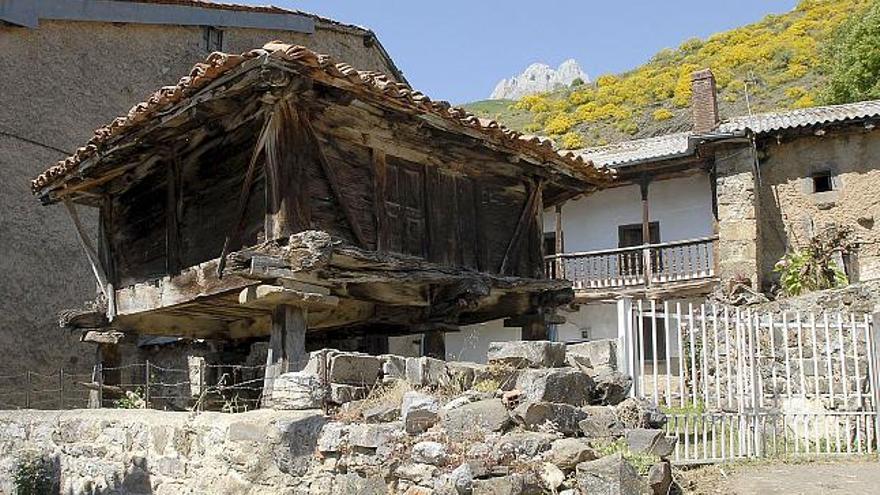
[
  {"x": 646, "y": 232},
  {"x": 525, "y": 219},
  {"x": 333, "y": 180},
  {"x": 244, "y": 196},
  {"x": 270, "y": 296},
  {"x": 287, "y": 346},
  {"x": 559, "y": 245},
  {"x": 89, "y": 249},
  {"x": 288, "y": 156}
]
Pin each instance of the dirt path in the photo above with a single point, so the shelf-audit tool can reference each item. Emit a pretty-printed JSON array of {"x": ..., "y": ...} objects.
[{"x": 827, "y": 478}]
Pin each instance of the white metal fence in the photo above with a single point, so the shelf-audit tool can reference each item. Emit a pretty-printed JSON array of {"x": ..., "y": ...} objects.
[{"x": 739, "y": 383}]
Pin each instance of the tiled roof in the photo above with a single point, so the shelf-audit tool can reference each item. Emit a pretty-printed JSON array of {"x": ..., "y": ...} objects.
[
  {"x": 637, "y": 150},
  {"x": 366, "y": 83},
  {"x": 680, "y": 143},
  {"x": 806, "y": 117}
]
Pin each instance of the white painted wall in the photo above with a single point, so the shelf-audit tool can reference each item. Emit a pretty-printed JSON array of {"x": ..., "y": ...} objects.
[
  {"x": 472, "y": 342},
  {"x": 683, "y": 206}
]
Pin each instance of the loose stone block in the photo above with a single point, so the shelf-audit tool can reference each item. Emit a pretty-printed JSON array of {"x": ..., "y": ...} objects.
[
  {"x": 393, "y": 367},
  {"x": 601, "y": 423},
  {"x": 371, "y": 436},
  {"x": 419, "y": 412},
  {"x": 527, "y": 354},
  {"x": 646, "y": 441},
  {"x": 426, "y": 372},
  {"x": 598, "y": 353},
  {"x": 354, "y": 369},
  {"x": 433, "y": 453},
  {"x": 563, "y": 385},
  {"x": 609, "y": 475},
  {"x": 296, "y": 390},
  {"x": 475, "y": 418},
  {"x": 341, "y": 394},
  {"x": 612, "y": 387},
  {"x": 563, "y": 418},
  {"x": 569, "y": 452}
]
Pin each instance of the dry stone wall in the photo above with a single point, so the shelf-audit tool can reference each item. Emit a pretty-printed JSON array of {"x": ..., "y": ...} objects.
[{"x": 539, "y": 418}]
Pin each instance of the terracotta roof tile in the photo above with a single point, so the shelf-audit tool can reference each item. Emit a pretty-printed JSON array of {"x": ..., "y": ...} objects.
[{"x": 311, "y": 63}]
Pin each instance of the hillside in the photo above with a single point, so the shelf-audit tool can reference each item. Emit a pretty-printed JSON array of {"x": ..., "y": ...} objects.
[{"x": 781, "y": 57}]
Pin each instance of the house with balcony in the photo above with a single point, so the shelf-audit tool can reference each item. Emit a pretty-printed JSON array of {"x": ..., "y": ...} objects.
[{"x": 696, "y": 212}]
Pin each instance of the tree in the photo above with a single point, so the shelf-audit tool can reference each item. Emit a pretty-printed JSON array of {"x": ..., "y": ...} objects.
[{"x": 854, "y": 58}]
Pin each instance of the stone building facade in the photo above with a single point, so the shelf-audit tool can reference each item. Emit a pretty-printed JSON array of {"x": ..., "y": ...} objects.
[{"x": 66, "y": 73}]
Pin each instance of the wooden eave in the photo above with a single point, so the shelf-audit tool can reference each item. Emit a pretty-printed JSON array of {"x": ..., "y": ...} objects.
[{"x": 232, "y": 100}]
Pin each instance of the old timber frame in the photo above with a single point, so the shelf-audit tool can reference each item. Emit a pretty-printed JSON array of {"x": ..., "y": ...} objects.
[{"x": 279, "y": 193}]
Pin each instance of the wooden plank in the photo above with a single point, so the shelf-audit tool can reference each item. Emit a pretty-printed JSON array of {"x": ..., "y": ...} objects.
[
  {"x": 333, "y": 179},
  {"x": 173, "y": 207},
  {"x": 380, "y": 184}
]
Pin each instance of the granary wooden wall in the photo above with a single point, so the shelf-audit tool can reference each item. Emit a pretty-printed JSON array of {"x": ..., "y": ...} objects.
[{"x": 179, "y": 214}]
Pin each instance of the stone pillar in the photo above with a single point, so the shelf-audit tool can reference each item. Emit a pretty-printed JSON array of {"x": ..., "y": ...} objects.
[
  {"x": 287, "y": 346},
  {"x": 739, "y": 239}
]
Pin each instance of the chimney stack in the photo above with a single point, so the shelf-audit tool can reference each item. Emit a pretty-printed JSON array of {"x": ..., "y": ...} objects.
[{"x": 704, "y": 101}]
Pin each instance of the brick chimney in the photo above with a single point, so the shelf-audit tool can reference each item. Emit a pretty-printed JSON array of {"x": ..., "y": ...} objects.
[{"x": 704, "y": 101}]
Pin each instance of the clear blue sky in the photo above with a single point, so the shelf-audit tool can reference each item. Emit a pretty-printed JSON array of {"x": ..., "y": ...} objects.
[{"x": 457, "y": 50}]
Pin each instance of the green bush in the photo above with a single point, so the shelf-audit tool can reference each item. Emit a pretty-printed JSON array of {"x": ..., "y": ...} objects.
[
  {"x": 35, "y": 474},
  {"x": 854, "y": 59}
]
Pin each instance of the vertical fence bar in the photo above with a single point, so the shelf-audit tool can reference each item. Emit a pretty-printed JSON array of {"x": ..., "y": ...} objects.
[
  {"x": 755, "y": 378},
  {"x": 694, "y": 381},
  {"x": 800, "y": 344},
  {"x": 842, "y": 353},
  {"x": 654, "y": 361},
  {"x": 728, "y": 357},
  {"x": 787, "y": 354},
  {"x": 147, "y": 383},
  {"x": 874, "y": 360},
  {"x": 717, "y": 358},
  {"x": 755, "y": 321},
  {"x": 771, "y": 322},
  {"x": 704, "y": 355},
  {"x": 854, "y": 333},
  {"x": 830, "y": 367},
  {"x": 740, "y": 352},
  {"x": 815, "y": 346},
  {"x": 640, "y": 320},
  {"x": 61, "y": 388},
  {"x": 681, "y": 356},
  {"x": 668, "y": 345},
  {"x": 27, "y": 391}
]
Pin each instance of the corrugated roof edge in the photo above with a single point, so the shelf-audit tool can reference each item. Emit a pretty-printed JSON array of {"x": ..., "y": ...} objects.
[{"x": 374, "y": 83}]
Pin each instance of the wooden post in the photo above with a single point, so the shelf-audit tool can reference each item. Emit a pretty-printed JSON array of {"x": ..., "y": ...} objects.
[
  {"x": 147, "y": 384},
  {"x": 380, "y": 181},
  {"x": 61, "y": 388},
  {"x": 27, "y": 391},
  {"x": 287, "y": 346},
  {"x": 626, "y": 344},
  {"x": 646, "y": 233},
  {"x": 88, "y": 248},
  {"x": 100, "y": 373},
  {"x": 535, "y": 329},
  {"x": 559, "y": 245},
  {"x": 434, "y": 344}
]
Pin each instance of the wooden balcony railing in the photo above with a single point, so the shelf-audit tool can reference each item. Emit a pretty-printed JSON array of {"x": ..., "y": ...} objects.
[{"x": 667, "y": 262}]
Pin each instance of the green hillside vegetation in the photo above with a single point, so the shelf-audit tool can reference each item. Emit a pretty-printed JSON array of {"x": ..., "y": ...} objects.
[{"x": 783, "y": 58}]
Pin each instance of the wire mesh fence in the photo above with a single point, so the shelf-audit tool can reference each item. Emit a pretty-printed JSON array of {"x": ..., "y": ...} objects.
[{"x": 204, "y": 386}]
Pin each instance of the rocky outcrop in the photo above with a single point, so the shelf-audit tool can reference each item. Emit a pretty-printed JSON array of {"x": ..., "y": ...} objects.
[{"x": 539, "y": 78}]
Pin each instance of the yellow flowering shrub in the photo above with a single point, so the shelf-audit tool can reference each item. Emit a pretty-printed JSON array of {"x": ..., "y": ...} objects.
[
  {"x": 662, "y": 114},
  {"x": 571, "y": 141}
]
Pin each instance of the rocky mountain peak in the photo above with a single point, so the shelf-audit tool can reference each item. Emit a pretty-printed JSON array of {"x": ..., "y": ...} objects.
[{"x": 539, "y": 78}]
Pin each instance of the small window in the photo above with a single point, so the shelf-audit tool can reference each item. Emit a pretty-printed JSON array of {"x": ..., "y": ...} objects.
[
  {"x": 822, "y": 182},
  {"x": 213, "y": 39}
]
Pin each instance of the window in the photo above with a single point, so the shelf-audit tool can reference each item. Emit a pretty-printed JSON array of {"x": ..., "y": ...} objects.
[
  {"x": 822, "y": 182},
  {"x": 213, "y": 39}
]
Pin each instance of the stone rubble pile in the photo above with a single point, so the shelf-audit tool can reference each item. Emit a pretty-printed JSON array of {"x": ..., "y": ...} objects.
[{"x": 541, "y": 417}]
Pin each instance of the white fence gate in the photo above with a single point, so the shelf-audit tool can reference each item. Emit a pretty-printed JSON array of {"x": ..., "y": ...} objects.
[{"x": 738, "y": 383}]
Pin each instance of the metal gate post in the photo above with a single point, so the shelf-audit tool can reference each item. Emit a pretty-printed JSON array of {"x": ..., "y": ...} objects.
[{"x": 626, "y": 343}]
